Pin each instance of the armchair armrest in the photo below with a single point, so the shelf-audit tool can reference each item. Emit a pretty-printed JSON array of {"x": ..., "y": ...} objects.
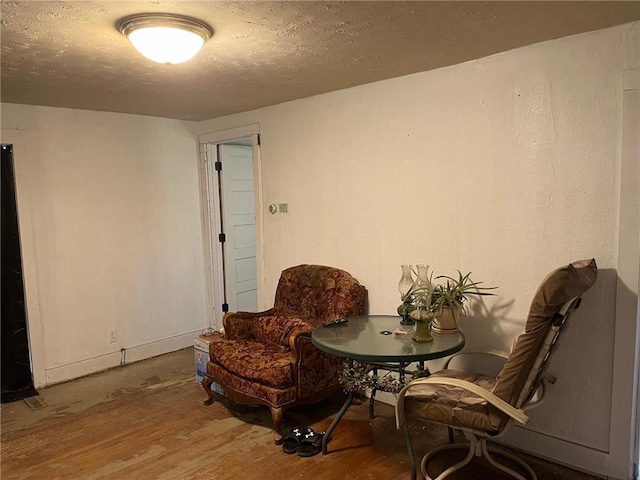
[
  {"x": 315, "y": 370},
  {"x": 237, "y": 325},
  {"x": 295, "y": 335},
  {"x": 515, "y": 413}
]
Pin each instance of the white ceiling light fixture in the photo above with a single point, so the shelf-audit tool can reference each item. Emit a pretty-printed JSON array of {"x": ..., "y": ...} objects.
[{"x": 164, "y": 37}]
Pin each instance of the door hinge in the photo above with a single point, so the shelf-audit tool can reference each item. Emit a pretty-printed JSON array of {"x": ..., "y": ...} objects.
[
  {"x": 222, "y": 238},
  {"x": 225, "y": 307},
  {"x": 258, "y": 139},
  {"x": 218, "y": 166}
]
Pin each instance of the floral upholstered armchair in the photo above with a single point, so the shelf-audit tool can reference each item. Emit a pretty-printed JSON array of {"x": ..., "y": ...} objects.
[{"x": 267, "y": 358}]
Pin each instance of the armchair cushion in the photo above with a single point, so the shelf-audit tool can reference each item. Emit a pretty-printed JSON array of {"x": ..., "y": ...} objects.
[
  {"x": 275, "y": 330},
  {"x": 255, "y": 362}
]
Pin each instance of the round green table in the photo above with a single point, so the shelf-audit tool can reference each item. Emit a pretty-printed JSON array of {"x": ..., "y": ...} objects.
[{"x": 371, "y": 339}]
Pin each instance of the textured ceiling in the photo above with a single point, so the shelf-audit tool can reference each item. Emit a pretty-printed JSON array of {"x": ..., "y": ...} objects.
[{"x": 69, "y": 53}]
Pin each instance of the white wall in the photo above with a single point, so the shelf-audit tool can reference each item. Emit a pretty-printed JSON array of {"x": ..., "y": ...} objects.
[
  {"x": 115, "y": 234},
  {"x": 507, "y": 167}
]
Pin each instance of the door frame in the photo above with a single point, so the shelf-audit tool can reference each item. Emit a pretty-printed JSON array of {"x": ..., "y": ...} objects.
[
  {"x": 211, "y": 216},
  {"x": 35, "y": 328}
]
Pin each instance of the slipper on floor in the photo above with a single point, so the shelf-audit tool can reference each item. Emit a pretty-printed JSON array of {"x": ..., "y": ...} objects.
[
  {"x": 311, "y": 444},
  {"x": 292, "y": 442}
]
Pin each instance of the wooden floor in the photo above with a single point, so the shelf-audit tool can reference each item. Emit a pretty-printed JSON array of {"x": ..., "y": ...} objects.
[{"x": 146, "y": 421}]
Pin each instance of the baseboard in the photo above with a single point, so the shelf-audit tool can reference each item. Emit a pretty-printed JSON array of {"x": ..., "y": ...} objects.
[
  {"x": 159, "y": 347},
  {"x": 131, "y": 354}
]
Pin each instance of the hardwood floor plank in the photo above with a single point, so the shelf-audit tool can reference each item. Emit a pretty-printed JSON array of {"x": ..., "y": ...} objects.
[{"x": 146, "y": 421}]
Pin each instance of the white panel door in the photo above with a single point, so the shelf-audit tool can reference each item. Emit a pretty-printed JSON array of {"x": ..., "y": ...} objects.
[{"x": 239, "y": 227}]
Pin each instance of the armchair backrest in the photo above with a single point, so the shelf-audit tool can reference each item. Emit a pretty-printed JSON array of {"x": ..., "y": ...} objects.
[
  {"x": 318, "y": 294},
  {"x": 554, "y": 300}
]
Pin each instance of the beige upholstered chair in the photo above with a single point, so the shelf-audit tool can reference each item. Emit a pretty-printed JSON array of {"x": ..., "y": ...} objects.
[
  {"x": 267, "y": 358},
  {"x": 482, "y": 406}
]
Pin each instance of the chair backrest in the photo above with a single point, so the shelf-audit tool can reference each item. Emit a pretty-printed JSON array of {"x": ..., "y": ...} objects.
[
  {"x": 318, "y": 293},
  {"x": 556, "y": 298}
]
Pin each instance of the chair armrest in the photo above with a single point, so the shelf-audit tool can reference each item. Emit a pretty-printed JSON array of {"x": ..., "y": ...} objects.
[
  {"x": 517, "y": 414},
  {"x": 314, "y": 369},
  {"x": 495, "y": 353},
  {"x": 295, "y": 339},
  {"x": 237, "y": 325}
]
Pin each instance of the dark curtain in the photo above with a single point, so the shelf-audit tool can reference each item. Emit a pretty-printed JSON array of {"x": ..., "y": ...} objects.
[{"x": 16, "y": 380}]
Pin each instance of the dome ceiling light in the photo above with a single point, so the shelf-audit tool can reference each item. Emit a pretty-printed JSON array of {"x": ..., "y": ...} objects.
[{"x": 165, "y": 38}]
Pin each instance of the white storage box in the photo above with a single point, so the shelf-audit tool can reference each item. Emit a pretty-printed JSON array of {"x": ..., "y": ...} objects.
[{"x": 201, "y": 352}]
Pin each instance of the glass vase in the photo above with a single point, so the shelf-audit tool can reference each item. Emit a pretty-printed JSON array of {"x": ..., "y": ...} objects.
[
  {"x": 421, "y": 290},
  {"x": 406, "y": 281},
  {"x": 423, "y": 319},
  {"x": 404, "y": 285},
  {"x": 422, "y": 282}
]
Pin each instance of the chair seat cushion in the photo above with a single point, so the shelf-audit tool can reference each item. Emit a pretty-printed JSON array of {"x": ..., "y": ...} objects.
[
  {"x": 254, "y": 361},
  {"x": 453, "y": 405}
]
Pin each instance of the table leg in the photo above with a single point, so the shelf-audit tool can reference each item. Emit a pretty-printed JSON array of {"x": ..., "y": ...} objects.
[
  {"x": 412, "y": 459},
  {"x": 372, "y": 398},
  {"x": 401, "y": 371},
  {"x": 372, "y": 401},
  {"x": 425, "y": 369},
  {"x": 333, "y": 425}
]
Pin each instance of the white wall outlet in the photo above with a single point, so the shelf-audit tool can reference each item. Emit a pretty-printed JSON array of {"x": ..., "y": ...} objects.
[{"x": 113, "y": 335}]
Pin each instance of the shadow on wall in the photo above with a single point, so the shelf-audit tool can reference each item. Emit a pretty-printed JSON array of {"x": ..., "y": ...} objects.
[
  {"x": 491, "y": 327},
  {"x": 591, "y": 328}
]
